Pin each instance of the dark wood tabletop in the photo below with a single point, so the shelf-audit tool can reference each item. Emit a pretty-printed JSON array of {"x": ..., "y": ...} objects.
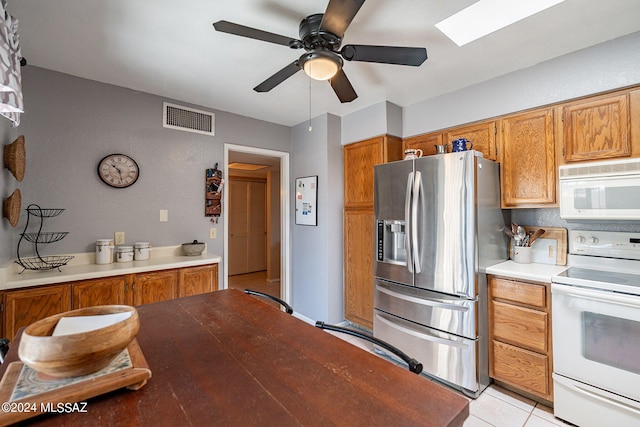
[{"x": 227, "y": 358}]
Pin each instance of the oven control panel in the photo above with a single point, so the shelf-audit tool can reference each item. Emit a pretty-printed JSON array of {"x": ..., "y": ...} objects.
[{"x": 612, "y": 244}]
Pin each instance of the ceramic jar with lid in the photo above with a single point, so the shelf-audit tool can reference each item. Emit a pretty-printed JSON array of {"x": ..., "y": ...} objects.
[
  {"x": 141, "y": 251},
  {"x": 104, "y": 251},
  {"x": 124, "y": 253}
]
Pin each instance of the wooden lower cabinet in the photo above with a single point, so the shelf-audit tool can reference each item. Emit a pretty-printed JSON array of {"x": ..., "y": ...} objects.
[
  {"x": 105, "y": 291},
  {"x": 358, "y": 266},
  {"x": 520, "y": 354},
  {"x": 197, "y": 280},
  {"x": 25, "y": 306},
  {"x": 153, "y": 287}
]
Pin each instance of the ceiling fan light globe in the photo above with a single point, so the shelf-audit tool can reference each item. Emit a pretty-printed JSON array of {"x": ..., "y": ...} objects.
[
  {"x": 321, "y": 68},
  {"x": 321, "y": 65}
]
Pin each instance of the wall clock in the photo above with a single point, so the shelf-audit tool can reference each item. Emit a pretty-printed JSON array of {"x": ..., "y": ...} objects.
[{"x": 118, "y": 170}]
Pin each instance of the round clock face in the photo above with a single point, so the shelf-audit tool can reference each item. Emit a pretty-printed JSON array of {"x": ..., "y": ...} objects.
[{"x": 118, "y": 170}]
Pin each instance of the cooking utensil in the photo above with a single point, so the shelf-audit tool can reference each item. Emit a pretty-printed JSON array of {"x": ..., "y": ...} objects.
[
  {"x": 508, "y": 232},
  {"x": 535, "y": 235},
  {"x": 521, "y": 234}
]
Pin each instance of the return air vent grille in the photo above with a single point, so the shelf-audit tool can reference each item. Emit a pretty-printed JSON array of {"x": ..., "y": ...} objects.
[
  {"x": 605, "y": 168},
  {"x": 187, "y": 119}
]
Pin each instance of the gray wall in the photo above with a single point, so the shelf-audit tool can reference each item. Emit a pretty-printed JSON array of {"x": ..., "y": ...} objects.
[
  {"x": 317, "y": 250},
  {"x": 7, "y": 183},
  {"x": 71, "y": 123}
]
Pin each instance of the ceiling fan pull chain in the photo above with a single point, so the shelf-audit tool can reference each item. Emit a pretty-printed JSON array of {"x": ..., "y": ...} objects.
[{"x": 310, "y": 127}]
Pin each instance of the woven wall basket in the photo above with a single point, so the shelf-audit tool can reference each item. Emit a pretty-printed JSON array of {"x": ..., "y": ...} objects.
[
  {"x": 15, "y": 157},
  {"x": 11, "y": 207}
]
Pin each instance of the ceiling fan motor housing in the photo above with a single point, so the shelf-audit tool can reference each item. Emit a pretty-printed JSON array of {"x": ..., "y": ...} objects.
[{"x": 311, "y": 36}]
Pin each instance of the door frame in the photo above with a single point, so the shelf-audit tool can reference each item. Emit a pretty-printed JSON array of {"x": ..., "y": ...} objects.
[{"x": 285, "y": 214}]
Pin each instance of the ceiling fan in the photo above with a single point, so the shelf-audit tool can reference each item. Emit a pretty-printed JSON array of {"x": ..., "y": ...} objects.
[{"x": 321, "y": 36}]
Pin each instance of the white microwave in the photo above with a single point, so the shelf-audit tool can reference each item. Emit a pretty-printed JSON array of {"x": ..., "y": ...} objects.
[{"x": 601, "y": 190}]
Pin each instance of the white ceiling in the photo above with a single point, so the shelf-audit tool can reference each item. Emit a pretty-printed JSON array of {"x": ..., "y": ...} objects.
[{"x": 169, "y": 48}]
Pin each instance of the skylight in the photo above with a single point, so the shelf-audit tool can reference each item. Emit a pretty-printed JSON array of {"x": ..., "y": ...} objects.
[{"x": 487, "y": 16}]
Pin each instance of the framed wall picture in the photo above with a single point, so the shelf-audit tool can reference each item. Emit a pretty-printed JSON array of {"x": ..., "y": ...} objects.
[{"x": 307, "y": 200}]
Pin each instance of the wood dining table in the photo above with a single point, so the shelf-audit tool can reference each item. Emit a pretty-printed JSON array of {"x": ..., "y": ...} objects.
[{"x": 228, "y": 358}]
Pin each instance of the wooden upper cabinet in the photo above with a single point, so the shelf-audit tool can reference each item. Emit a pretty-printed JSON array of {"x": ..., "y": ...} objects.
[
  {"x": 359, "y": 160},
  {"x": 25, "y": 306},
  {"x": 528, "y": 171},
  {"x": 597, "y": 129},
  {"x": 426, "y": 142},
  {"x": 103, "y": 291},
  {"x": 482, "y": 135}
]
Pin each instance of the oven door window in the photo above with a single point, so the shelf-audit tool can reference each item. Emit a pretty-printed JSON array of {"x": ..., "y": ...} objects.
[{"x": 612, "y": 341}]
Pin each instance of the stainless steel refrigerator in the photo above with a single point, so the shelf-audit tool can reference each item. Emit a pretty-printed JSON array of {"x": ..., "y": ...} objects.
[{"x": 438, "y": 226}]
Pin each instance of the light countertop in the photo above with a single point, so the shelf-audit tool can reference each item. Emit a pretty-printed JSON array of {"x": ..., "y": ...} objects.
[
  {"x": 535, "y": 272},
  {"x": 83, "y": 267}
]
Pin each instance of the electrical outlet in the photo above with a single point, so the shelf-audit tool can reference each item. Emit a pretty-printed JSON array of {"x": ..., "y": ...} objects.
[
  {"x": 119, "y": 238},
  {"x": 212, "y": 233}
]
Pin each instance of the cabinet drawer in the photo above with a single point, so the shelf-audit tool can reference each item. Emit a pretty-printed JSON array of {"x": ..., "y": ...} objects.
[
  {"x": 525, "y": 293},
  {"x": 520, "y": 326},
  {"x": 522, "y": 368}
]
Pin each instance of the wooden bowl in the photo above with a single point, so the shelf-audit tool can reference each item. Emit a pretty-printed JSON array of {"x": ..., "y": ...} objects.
[{"x": 77, "y": 354}]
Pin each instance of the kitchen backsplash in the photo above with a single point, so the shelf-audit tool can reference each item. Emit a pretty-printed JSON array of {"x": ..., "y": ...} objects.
[{"x": 551, "y": 218}]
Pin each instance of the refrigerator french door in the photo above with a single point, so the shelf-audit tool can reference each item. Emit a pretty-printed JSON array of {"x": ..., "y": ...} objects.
[{"x": 438, "y": 222}]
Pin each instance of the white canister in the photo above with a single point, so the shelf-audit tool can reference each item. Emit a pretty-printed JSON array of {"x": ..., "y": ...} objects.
[
  {"x": 124, "y": 253},
  {"x": 104, "y": 251},
  {"x": 141, "y": 251}
]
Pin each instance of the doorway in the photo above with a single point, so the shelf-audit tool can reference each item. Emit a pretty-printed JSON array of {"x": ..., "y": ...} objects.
[{"x": 256, "y": 226}]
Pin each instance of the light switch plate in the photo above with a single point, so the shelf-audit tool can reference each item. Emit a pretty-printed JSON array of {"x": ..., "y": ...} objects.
[
  {"x": 164, "y": 215},
  {"x": 213, "y": 233}
]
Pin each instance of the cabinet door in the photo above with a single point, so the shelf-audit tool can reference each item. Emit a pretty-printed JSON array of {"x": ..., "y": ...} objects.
[
  {"x": 24, "y": 307},
  {"x": 106, "y": 291},
  {"x": 528, "y": 172},
  {"x": 359, "y": 159},
  {"x": 482, "y": 135},
  {"x": 597, "y": 129},
  {"x": 197, "y": 280},
  {"x": 153, "y": 287},
  {"x": 427, "y": 143},
  {"x": 358, "y": 266}
]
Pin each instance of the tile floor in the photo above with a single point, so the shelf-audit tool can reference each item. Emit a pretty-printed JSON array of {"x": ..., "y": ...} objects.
[{"x": 495, "y": 407}]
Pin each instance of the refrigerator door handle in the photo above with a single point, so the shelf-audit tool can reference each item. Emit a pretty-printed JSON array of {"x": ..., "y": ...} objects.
[
  {"x": 421, "y": 301},
  {"x": 417, "y": 183},
  {"x": 407, "y": 222}
]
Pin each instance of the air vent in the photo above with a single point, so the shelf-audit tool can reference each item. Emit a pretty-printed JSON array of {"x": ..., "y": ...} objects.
[
  {"x": 604, "y": 168},
  {"x": 187, "y": 119}
]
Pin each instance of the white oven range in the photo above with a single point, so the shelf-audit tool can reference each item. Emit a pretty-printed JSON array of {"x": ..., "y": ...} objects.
[{"x": 596, "y": 330}]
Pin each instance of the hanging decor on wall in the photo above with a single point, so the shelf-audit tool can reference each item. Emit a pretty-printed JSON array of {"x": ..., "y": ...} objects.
[
  {"x": 307, "y": 200},
  {"x": 213, "y": 193},
  {"x": 11, "y": 104}
]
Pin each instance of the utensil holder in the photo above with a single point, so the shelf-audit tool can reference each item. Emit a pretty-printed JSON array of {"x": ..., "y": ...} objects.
[{"x": 522, "y": 254}]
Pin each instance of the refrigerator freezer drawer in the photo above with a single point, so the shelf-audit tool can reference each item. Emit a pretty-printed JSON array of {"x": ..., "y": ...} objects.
[
  {"x": 443, "y": 356},
  {"x": 444, "y": 312}
]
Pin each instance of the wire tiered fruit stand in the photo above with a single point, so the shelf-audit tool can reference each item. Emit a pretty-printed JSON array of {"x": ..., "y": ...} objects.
[{"x": 40, "y": 237}]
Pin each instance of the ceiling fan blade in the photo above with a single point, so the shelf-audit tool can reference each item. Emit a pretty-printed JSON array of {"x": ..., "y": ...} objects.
[
  {"x": 278, "y": 77},
  {"x": 252, "y": 33},
  {"x": 342, "y": 87},
  {"x": 413, "y": 56},
  {"x": 339, "y": 15}
]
